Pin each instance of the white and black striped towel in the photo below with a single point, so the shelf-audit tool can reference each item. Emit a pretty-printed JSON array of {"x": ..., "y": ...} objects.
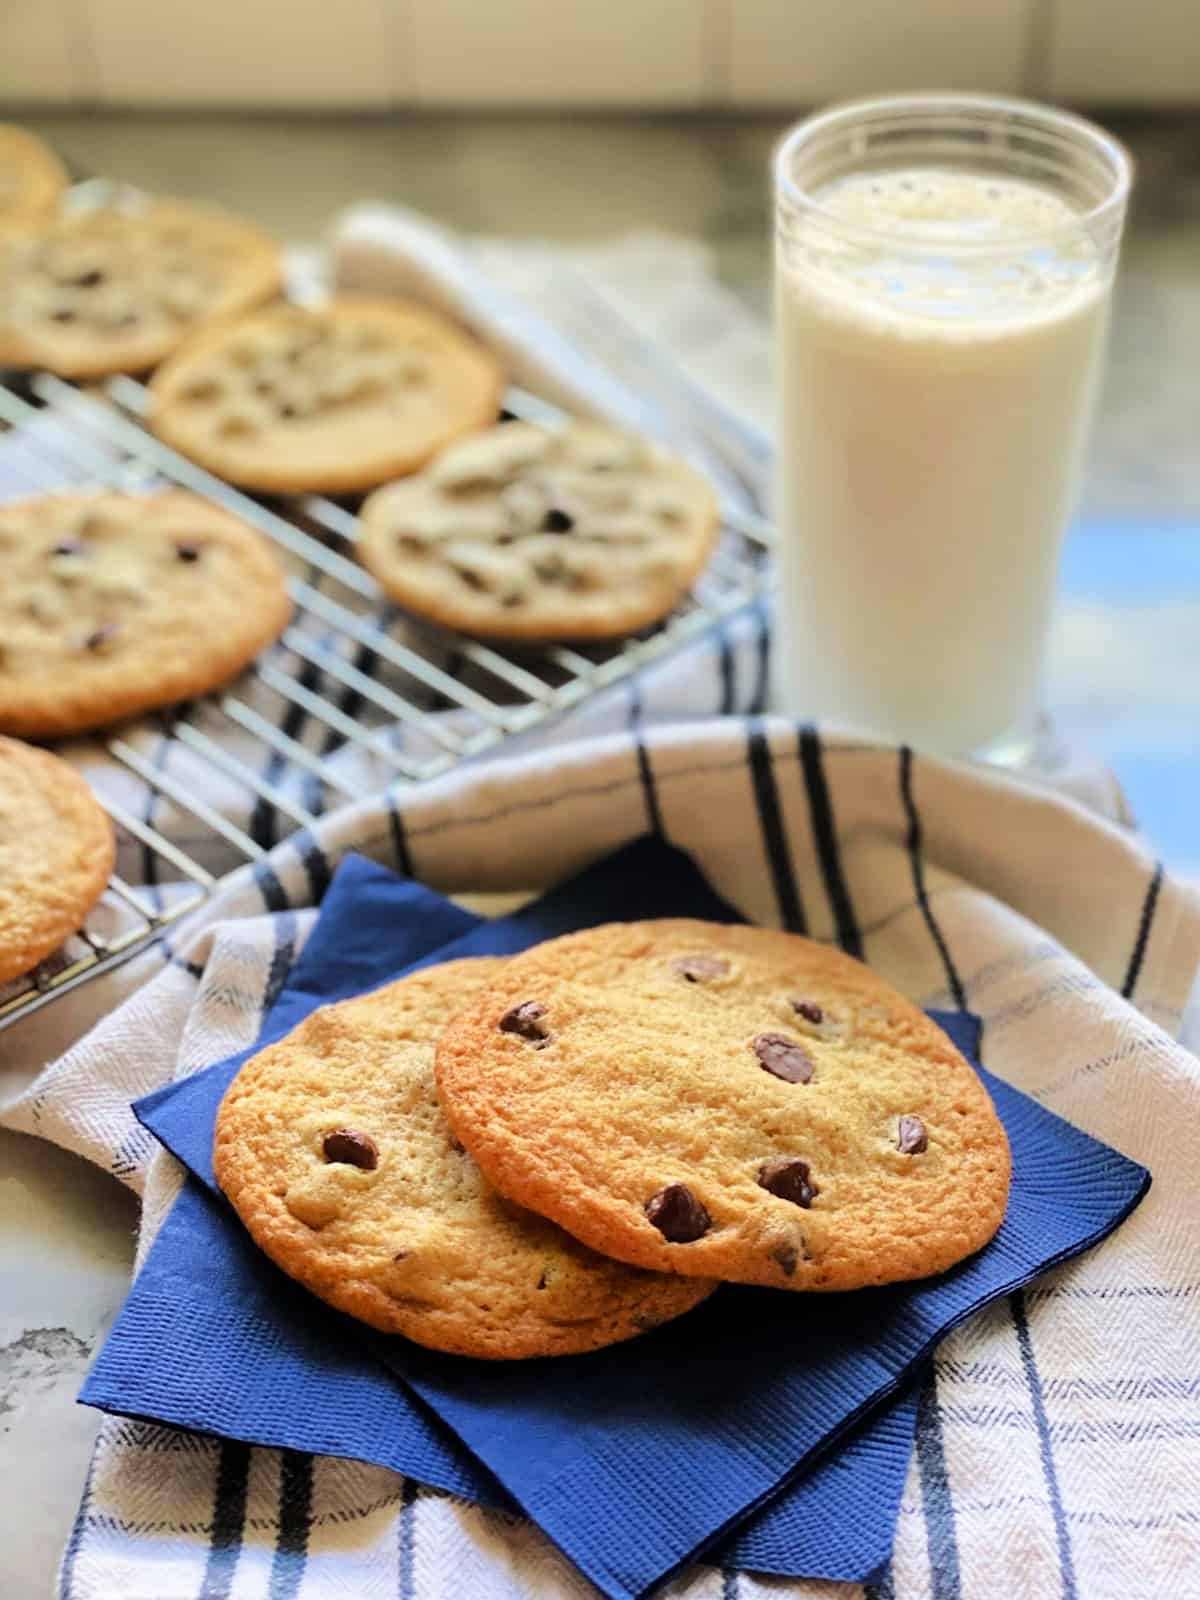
[{"x": 1059, "y": 1448}]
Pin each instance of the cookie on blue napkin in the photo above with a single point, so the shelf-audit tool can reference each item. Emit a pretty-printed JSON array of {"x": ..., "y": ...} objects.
[
  {"x": 726, "y": 1407},
  {"x": 726, "y": 1102},
  {"x": 332, "y": 1148}
]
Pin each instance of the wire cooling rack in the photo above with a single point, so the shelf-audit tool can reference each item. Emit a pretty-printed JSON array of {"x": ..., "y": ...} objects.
[{"x": 355, "y": 696}]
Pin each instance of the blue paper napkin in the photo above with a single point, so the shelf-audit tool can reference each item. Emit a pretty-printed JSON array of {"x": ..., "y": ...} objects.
[{"x": 713, "y": 1412}]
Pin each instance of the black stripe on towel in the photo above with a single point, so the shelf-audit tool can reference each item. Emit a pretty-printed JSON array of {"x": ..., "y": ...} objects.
[
  {"x": 953, "y": 981},
  {"x": 401, "y": 854},
  {"x": 295, "y": 1523},
  {"x": 273, "y": 893},
  {"x": 829, "y": 855},
  {"x": 349, "y": 703},
  {"x": 158, "y": 762},
  {"x": 406, "y": 1534},
  {"x": 770, "y": 816},
  {"x": 66, "y": 1572},
  {"x": 654, "y": 821},
  {"x": 944, "y": 1579},
  {"x": 729, "y": 1584},
  {"x": 882, "y": 1586},
  {"x": 762, "y": 661},
  {"x": 228, "y": 1520},
  {"x": 281, "y": 960},
  {"x": 727, "y": 671},
  {"x": 1145, "y": 923},
  {"x": 264, "y": 819},
  {"x": 315, "y": 864},
  {"x": 1066, "y": 1560}
]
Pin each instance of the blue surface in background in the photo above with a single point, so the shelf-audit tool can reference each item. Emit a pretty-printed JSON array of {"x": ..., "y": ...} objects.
[{"x": 1124, "y": 676}]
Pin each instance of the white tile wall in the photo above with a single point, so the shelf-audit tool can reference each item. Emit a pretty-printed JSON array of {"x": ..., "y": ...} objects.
[
  {"x": 246, "y": 52},
  {"x": 800, "y": 52},
  {"x": 1113, "y": 51},
  {"x": 36, "y": 51},
  {"x": 555, "y": 52},
  {"x": 366, "y": 53}
]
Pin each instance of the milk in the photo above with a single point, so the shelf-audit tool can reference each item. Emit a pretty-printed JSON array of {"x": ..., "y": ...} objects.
[{"x": 932, "y": 416}]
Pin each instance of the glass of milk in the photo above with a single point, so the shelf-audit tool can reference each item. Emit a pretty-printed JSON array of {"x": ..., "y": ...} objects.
[{"x": 944, "y": 266}]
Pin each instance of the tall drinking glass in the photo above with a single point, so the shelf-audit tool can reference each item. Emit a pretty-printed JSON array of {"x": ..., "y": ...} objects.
[{"x": 944, "y": 265}]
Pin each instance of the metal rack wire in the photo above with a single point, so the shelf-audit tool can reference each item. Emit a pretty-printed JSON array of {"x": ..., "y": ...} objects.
[{"x": 354, "y": 697}]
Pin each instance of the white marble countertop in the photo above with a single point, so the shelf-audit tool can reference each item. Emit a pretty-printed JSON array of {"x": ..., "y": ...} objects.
[{"x": 66, "y": 1254}]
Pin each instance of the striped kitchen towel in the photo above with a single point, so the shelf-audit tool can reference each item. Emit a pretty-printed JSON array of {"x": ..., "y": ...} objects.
[
  {"x": 1059, "y": 1444},
  {"x": 725, "y": 1406}
]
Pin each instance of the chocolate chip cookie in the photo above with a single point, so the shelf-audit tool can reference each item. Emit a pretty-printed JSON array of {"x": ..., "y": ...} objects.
[
  {"x": 113, "y": 603},
  {"x": 334, "y": 1151},
  {"x": 32, "y": 178},
  {"x": 528, "y": 533},
  {"x": 728, "y": 1101},
  {"x": 103, "y": 291},
  {"x": 332, "y": 399},
  {"x": 56, "y": 853}
]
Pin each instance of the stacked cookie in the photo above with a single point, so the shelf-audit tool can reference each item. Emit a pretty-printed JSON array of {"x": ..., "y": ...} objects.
[{"x": 563, "y": 1149}]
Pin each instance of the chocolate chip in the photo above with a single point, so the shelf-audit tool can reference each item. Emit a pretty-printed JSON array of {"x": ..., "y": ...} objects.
[
  {"x": 788, "y": 1178},
  {"x": 402, "y": 1255},
  {"x": 783, "y": 1058},
  {"x": 786, "y": 1256},
  {"x": 472, "y": 579},
  {"x": 526, "y": 1020},
  {"x": 91, "y": 279},
  {"x": 543, "y": 1281},
  {"x": 68, "y": 547},
  {"x": 677, "y": 1214},
  {"x": 557, "y": 520},
  {"x": 911, "y": 1138},
  {"x": 62, "y": 314},
  {"x": 352, "y": 1149},
  {"x": 287, "y": 412},
  {"x": 809, "y": 1010},
  {"x": 699, "y": 969},
  {"x": 101, "y": 636},
  {"x": 186, "y": 550}
]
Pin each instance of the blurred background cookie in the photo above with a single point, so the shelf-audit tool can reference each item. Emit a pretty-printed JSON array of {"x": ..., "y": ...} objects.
[
  {"x": 530, "y": 533},
  {"x": 113, "y": 603},
  {"x": 32, "y": 178},
  {"x": 104, "y": 291},
  {"x": 56, "y": 852},
  {"x": 331, "y": 399}
]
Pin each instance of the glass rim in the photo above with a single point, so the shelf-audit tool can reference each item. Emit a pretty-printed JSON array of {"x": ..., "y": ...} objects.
[{"x": 935, "y": 103}]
